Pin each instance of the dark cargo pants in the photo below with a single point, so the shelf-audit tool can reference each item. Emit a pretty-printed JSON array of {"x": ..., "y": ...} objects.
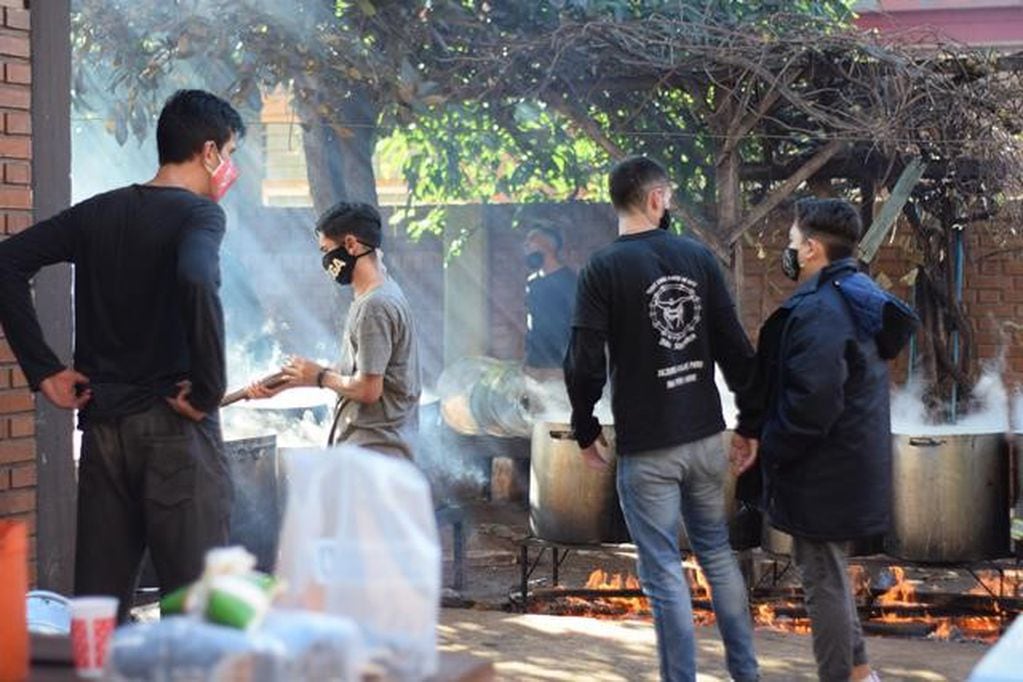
[
  {"x": 150, "y": 480},
  {"x": 835, "y": 624}
]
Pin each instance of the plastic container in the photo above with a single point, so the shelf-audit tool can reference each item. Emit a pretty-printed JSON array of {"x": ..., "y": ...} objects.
[
  {"x": 48, "y": 613},
  {"x": 13, "y": 586},
  {"x": 93, "y": 620}
]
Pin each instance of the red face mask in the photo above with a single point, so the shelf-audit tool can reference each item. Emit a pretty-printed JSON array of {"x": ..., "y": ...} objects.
[{"x": 222, "y": 177}]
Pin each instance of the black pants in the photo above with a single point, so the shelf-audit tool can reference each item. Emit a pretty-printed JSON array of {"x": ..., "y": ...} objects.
[{"x": 154, "y": 480}]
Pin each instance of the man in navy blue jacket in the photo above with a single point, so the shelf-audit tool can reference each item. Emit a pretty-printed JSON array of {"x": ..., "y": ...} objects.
[{"x": 825, "y": 442}]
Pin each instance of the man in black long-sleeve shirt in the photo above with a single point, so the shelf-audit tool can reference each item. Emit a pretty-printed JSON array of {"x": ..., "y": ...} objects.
[
  {"x": 658, "y": 303},
  {"x": 149, "y": 361}
]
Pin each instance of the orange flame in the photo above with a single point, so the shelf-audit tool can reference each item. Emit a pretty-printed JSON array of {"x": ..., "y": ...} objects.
[
  {"x": 901, "y": 592},
  {"x": 698, "y": 584}
]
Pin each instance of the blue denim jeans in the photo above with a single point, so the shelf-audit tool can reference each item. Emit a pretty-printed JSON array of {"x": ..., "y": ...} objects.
[{"x": 658, "y": 489}]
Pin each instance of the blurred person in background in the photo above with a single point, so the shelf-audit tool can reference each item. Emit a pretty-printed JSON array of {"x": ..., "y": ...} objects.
[{"x": 550, "y": 296}]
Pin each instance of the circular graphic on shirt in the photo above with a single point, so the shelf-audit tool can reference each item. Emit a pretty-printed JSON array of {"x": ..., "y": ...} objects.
[{"x": 675, "y": 309}]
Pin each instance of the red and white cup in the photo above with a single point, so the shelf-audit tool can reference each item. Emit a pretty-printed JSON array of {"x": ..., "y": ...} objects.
[{"x": 93, "y": 620}]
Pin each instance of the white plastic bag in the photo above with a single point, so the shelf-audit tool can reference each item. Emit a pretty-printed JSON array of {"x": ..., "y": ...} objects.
[{"x": 359, "y": 539}]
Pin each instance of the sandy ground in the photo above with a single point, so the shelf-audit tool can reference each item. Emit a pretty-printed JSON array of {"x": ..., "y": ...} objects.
[
  {"x": 536, "y": 647},
  {"x": 544, "y": 647}
]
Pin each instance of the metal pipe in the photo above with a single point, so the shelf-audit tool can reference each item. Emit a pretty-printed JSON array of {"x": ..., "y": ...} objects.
[
  {"x": 958, "y": 270},
  {"x": 912, "y": 339}
]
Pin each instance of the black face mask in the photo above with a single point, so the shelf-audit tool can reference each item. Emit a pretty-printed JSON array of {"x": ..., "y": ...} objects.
[
  {"x": 665, "y": 221},
  {"x": 340, "y": 265},
  {"x": 534, "y": 260},
  {"x": 790, "y": 263}
]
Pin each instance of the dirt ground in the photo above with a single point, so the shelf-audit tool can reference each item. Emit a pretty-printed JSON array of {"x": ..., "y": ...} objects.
[
  {"x": 537, "y": 647},
  {"x": 484, "y": 619}
]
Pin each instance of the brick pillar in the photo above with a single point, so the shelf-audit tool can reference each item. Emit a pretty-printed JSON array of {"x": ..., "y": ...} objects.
[{"x": 17, "y": 413}]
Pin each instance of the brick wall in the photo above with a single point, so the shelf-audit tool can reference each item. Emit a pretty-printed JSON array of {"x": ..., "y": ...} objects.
[{"x": 17, "y": 416}]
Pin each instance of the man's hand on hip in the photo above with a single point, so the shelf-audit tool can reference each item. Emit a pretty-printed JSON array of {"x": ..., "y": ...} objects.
[
  {"x": 62, "y": 389},
  {"x": 180, "y": 404}
]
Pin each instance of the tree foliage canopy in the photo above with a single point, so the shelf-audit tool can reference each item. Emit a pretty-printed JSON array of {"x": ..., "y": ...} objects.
[{"x": 743, "y": 101}]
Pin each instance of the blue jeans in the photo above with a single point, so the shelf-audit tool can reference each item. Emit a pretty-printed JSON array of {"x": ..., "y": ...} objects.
[{"x": 658, "y": 489}]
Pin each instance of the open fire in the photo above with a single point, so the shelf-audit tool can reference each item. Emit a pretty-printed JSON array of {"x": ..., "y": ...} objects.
[{"x": 900, "y": 610}]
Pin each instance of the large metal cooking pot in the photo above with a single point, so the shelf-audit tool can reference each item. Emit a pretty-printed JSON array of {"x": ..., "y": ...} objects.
[
  {"x": 950, "y": 498},
  {"x": 256, "y": 512},
  {"x": 1017, "y": 447},
  {"x": 1017, "y": 443},
  {"x": 568, "y": 501}
]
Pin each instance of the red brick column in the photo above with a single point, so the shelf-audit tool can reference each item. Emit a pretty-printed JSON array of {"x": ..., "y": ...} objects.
[{"x": 17, "y": 409}]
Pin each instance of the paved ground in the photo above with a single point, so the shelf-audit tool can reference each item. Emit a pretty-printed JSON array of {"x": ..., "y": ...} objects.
[{"x": 535, "y": 647}]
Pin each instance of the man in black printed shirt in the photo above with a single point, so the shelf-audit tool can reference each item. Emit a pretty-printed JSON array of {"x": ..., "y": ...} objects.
[
  {"x": 149, "y": 362},
  {"x": 658, "y": 303}
]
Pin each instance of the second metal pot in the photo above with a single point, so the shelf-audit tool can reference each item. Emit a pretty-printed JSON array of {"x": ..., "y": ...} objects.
[
  {"x": 255, "y": 514},
  {"x": 568, "y": 501},
  {"x": 950, "y": 498}
]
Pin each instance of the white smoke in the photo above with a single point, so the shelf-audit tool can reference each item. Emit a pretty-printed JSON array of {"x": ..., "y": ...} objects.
[
  {"x": 293, "y": 428},
  {"x": 728, "y": 408},
  {"x": 1017, "y": 411},
  {"x": 549, "y": 399},
  {"x": 990, "y": 414},
  {"x": 552, "y": 404}
]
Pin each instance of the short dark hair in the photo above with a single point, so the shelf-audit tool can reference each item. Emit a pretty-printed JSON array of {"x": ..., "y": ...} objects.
[
  {"x": 189, "y": 119},
  {"x": 550, "y": 233},
  {"x": 631, "y": 178},
  {"x": 358, "y": 219},
  {"x": 833, "y": 222}
]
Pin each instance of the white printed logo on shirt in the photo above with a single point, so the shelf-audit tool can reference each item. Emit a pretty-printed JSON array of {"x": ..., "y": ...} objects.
[{"x": 675, "y": 309}]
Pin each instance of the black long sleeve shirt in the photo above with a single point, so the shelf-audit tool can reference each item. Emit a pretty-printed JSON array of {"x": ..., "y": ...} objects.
[
  {"x": 659, "y": 305},
  {"x": 147, "y": 307}
]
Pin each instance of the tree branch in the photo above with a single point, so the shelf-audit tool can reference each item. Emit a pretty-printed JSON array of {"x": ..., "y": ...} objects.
[{"x": 784, "y": 190}]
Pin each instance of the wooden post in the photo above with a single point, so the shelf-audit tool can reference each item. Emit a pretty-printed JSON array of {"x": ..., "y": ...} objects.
[
  {"x": 901, "y": 193},
  {"x": 727, "y": 181},
  {"x": 51, "y": 181}
]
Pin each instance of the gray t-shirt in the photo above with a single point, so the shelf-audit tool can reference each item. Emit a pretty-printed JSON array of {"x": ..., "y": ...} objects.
[{"x": 380, "y": 338}]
